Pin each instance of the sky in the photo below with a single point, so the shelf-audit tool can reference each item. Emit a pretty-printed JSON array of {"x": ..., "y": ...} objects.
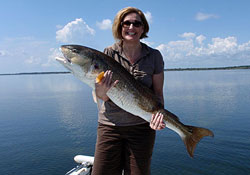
[{"x": 188, "y": 33}]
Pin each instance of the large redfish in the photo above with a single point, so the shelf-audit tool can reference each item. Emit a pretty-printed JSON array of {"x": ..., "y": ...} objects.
[{"x": 129, "y": 94}]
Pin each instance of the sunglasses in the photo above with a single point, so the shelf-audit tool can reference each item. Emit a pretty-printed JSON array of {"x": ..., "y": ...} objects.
[{"x": 135, "y": 23}]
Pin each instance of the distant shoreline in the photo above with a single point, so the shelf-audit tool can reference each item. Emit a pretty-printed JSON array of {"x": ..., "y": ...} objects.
[
  {"x": 170, "y": 69},
  {"x": 35, "y": 73},
  {"x": 212, "y": 68}
]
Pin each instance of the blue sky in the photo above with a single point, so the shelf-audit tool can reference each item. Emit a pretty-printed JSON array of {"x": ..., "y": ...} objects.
[{"x": 189, "y": 33}]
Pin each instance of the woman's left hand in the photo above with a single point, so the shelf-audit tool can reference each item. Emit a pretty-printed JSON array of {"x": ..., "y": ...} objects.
[{"x": 157, "y": 122}]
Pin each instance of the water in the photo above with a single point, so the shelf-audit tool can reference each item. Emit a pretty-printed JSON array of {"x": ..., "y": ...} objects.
[{"x": 45, "y": 120}]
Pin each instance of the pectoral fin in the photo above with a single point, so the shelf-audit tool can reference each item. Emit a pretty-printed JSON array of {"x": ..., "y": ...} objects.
[
  {"x": 96, "y": 100},
  {"x": 99, "y": 77}
]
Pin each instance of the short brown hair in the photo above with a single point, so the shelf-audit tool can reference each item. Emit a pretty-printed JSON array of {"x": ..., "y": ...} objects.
[{"x": 117, "y": 28}]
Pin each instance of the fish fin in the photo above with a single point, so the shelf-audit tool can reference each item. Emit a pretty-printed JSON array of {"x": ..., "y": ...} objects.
[
  {"x": 194, "y": 136},
  {"x": 94, "y": 96},
  {"x": 96, "y": 100},
  {"x": 99, "y": 77}
]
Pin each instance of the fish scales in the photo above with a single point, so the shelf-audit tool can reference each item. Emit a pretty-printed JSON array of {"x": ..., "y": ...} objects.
[{"x": 124, "y": 99}]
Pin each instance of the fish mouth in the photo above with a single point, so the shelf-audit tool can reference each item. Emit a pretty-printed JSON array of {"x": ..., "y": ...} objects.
[{"x": 63, "y": 60}]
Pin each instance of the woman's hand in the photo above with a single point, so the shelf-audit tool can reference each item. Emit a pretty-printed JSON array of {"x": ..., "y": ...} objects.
[
  {"x": 157, "y": 122},
  {"x": 104, "y": 85}
]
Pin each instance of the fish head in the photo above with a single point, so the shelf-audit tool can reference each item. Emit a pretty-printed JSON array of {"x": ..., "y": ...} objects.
[{"x": 82, "y": 61}]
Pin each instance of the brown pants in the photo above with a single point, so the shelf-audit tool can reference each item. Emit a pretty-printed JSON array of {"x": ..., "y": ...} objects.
[{"x": 127, "y": 148}]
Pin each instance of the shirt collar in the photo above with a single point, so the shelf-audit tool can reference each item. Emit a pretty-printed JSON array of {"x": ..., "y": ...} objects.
[{"x": 118, "y": 48}]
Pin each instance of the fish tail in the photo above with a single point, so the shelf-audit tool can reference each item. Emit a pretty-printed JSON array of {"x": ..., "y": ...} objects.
[{"x": 194, "y": 136}]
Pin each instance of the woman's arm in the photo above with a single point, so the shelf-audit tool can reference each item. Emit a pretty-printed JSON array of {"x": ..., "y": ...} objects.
[
  {"x": 157, "y": 122},
  {"x": 158, "y": 81}
]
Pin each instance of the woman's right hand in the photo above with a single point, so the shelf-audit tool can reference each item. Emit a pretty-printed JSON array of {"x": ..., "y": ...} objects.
[{"x": 104, "y": 85}]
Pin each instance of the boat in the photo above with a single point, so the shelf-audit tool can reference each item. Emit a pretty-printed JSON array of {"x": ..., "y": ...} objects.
[{"x": 84, "y": 167}]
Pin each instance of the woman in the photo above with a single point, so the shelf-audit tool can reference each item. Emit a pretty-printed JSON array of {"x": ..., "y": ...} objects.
[{"x": 124, "y": 141}]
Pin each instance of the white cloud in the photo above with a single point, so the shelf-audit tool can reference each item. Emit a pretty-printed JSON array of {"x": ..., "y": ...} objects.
[
  {"x": 3, "y": 53},
  {"x": 223, "y": 45},
  {"x": 74, "y": 31},
  {"x": 244, "y": 46},
  {"x": 149, "y": 43},
  {"x": 149, "y": 16},
  {"x": 175, "y": 50},
  {"x": 26, "y": 54},
  {"x": 188, "y": 35},
  {"x": 204, "y": 16},
  {"x": 105, "y": 24},
  {"x": 33, "y": 60},
  {"x": 53, "y": 53},
  {"x": 200, "y": 39},
  {"x": 59, "y": 27},
  {"x": 192, "y": 51}
]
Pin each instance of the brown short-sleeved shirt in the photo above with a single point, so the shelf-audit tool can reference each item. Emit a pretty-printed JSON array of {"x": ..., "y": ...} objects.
[{"x": 150, "y": 62}]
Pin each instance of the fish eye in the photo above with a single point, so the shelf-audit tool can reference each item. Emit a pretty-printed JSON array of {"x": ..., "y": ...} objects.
[
  {"x": 96, "y": 66},
  {"x": 75, "y": 51}
]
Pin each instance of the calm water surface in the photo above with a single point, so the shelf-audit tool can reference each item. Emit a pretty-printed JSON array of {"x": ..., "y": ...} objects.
[{"x": 45, "y": 120}]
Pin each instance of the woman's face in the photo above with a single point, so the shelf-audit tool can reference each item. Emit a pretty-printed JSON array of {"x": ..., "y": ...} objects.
[{"x": 132, "y": 27}]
